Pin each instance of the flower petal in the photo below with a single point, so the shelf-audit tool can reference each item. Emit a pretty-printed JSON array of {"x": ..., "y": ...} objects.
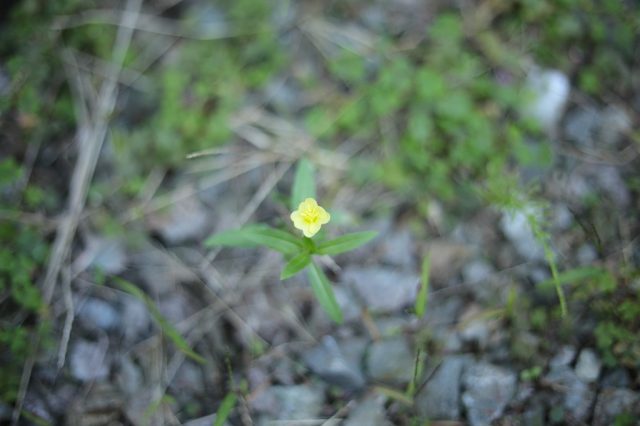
[{"x": 323, "y": 216}]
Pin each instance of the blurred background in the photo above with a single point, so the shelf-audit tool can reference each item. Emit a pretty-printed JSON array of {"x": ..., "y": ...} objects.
[{"x": 498, "y": 139}]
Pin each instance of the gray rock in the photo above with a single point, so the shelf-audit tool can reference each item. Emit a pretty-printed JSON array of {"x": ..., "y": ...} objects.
[
  {"x": 550, "y": 95},
  {"x": 187, "y": 218},
  {"x": 161, "y": 271},
  {"x": 478, "y": 276},
  {"x": 581, "y": 126},
  {"x": 611, "y": 182},
  {"x": 369, "y": 412},
  {"x": 399, "y": 249},
  {"x": 614, "y": 124},
  {"x": 297, "y": 402},
  {"x": 105, "y": 254},
  {"x": 573, "y": 394},
  {"x": 338, "y": 363},
  {"x": 88, "y": 361},
  {"x": 390, "y": 361},
  {"x": 98, "y": 314},
  {"x": 439, "y": 399},
  {"x": 5, "y": 82},
  {"x": 136, "y": 317},
  {"x": 203, "y": 421},
  {"x": 612, "y": 403},
  {"x": 188, "y": 380},
  {"x": 5, "y": 411},
  {"x": 348, "y": 305},
  {"x": 564, "y": 357},
  {"x": 129, "y": 377},
  {"x": 515, "y": 227},
  {"x": 475, "y": 327},
  {"x": 562, "y": 217},
  {"x": 488, "y": 390},
  {"x": 618, "y": 378},
  {"x": 586, "y": 254},
  {"x": 383, "y": 290},
  {"x": 588, "y": 366}
]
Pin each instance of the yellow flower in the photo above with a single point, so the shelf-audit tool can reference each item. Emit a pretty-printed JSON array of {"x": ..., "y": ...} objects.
[{"x": 309, "y": 217}]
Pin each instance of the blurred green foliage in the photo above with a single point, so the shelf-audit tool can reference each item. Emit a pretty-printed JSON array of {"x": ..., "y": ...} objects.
[
  {"x": 23, "y": 251},
  {"x": 440, "y": 111},
  {"x": 201, "y": 89}
]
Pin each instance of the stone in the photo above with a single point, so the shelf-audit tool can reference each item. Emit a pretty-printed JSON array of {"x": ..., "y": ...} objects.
[
  {"x": 588, "y": 366},
  {"x": 97, "y": 314},
  {"x": 398, "y": 249},
  {"x": 488, "y": 390},
  {"x": 515, "y": 227},
  {"x": 550, "y": 90},
  {"x": 611, "y": 182},
  {"x": 105, "y": 254},
  {"x": 188, "y": 380},
  {"x": 382, "y": 290},
  {"x": 185, "y": 220},
  {"x": 617, "y": 378},
  {"x": 613, "y": 403},
  {"x": 586, "y": 254},
  {"x": 475, "y": 327},
  {"x": 88, "y": 361},
  {"x": 370, "y": 412},
  {"x": 581, "y": 126},
  {"x": 615, "y": 123},
  {"x": 390, "y": 361},
  {"x": 439, "y": 399},
  {"x": 348, "y": 305},
  {"x": 338, "y": 363},
  {"x": 135, "y": 317},
  {"x": 128, "y": 377},
  {"x": 161, "y": 271},
  {"x": 445, "y": 259},
  {"x": 572, "y": 393},
  {"x": 563, "y": 357},
  {"x": 479, "y": 276},
  {"x": 298, "y": 402}
]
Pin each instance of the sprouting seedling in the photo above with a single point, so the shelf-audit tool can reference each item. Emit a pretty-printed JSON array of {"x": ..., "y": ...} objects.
[{"x": 308, "y": 217}]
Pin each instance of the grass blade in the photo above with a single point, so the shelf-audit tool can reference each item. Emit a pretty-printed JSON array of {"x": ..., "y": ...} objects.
[
  {"x": 345, "y": 242},
  {"x": 423, "y": 294},
  {"x": 304, "y": 185},
  {"x": 324, "y": 293},
  {"x": 167, "y": 328},
  {"x": 295, "y": 265},
  {"x": 227, "y": 405}
]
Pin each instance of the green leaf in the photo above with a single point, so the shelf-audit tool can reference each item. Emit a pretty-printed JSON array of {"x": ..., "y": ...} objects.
[
  {"x": 167, "y": 328},
  {"x": 257, "y": 235},
  {"x": 304, "y": 185},
  {"x": 324, "y": 293},
  {"x": 234, "y": 237},
  {"x": 423, "y": 293},
  {"x": 276, "y": 239},
  {"x": 295, "y": 265},
  {"x": 227, "y": 405},
  {"x": 345, "y": 242}
]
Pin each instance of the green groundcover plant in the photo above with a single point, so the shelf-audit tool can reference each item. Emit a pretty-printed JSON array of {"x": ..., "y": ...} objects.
[{"x": 300, "y": 250}]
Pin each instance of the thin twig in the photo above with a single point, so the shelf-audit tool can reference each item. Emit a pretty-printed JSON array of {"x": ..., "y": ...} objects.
[{"x": 68, "y": 321}]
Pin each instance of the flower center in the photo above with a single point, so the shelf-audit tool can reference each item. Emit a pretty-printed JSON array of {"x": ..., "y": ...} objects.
[{"x": 310, "y": 215}]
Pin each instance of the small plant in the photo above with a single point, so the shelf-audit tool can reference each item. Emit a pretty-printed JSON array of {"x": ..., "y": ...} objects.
[{"x": 308, "y": 217}]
